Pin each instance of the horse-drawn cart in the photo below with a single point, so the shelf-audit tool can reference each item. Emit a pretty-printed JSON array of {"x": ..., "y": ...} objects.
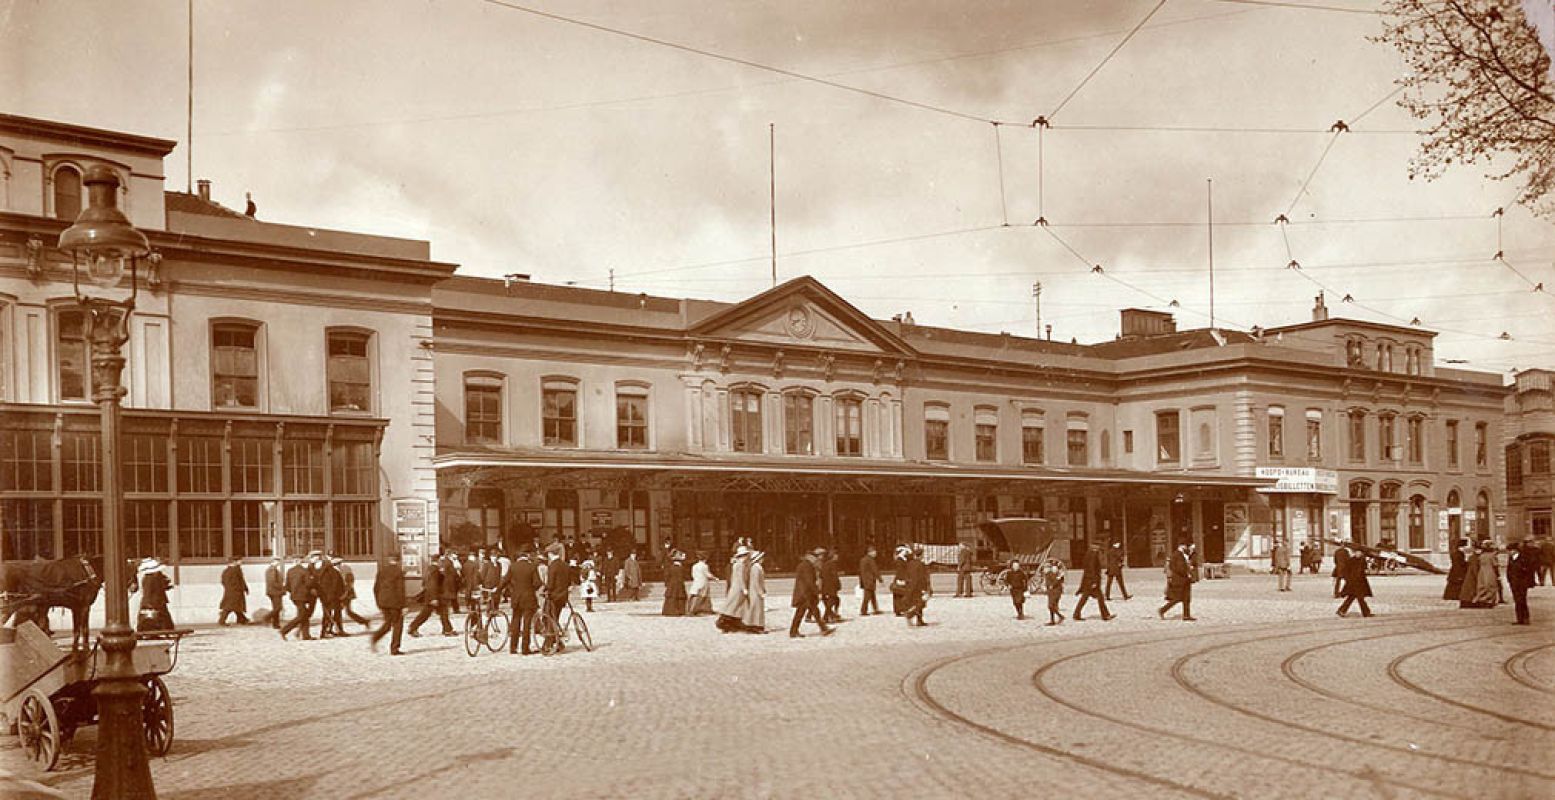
[{"x": 46, "y": 691}]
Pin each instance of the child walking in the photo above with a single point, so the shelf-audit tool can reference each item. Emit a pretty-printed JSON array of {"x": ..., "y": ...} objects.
[
  {"x": 589, "y": 585},
  {"x": 1017, "y": 580},
  {"x": 1053, "y": 582}
]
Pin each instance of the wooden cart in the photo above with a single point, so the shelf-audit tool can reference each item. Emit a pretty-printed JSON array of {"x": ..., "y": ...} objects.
[{"x": 46, "y": 691}]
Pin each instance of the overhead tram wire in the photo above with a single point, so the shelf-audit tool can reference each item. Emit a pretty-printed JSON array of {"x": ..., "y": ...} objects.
[
  {"x": 1105, "y": 59},
  {"x": 998, "y": 148},
  {"x": 1302, "y": 6}
]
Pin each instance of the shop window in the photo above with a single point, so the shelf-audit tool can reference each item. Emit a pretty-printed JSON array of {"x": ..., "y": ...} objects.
[
  {"x": 305, "y": 527},
  {"x": 1481, "y": 445},
  {"x": 26, "y": 461},
  {"x": 200, "y": 530},
  {"x": 561, "y": 513},
  {"x": 146, "y": 533},
  {"x": 355, "y": 469},
  {"x": 1357, "y": 435},
  {"x": 253, "y": 466},
  {"x": 850, "y": 426},
  {"x": 798, "y": 424},
  {"x": 350, "y": 372},
  {"x": 936, "y": 432},
  {"x": 1276, "y": 445},
  {"x": 353, "y": 530},
  {"x": 1314, "y": 435},
  {"x": 27, "y": 528},
  {"x": 67, "y": 193},
  {"x": 632, "y": 417},
  {"x": 199, "y": 465},
  {"x": 302, "y": 466},
  {"x": 1168, "y": 439},
  {"x": 145, "y": 463},
  {"x": 235, "y": 365},
  {"x": 81, "y": 462},
  {"x": 986, "y": 433},
  {"x": 1452, "y": 444},
  {"x": 250, "y": 535},
  {"x": 745, "y": 420},
  {"x": 72, "y": 356},
  {"x": 483, "y": 409},
  {"x": 82, "y": 523},
  {"x": 559, "y": 413}
]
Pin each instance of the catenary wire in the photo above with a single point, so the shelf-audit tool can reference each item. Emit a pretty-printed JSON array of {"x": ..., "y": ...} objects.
[{"x": 1105, "y": 59}]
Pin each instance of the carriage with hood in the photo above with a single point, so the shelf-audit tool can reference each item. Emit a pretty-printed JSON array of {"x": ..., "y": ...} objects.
[
  {"x": 1029, "y": 540},
  {"x": 46, "y": 691}
]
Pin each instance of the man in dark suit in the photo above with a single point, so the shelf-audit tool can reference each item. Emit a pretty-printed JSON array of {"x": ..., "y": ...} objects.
[
  {"x": 524, "y": 588},
  {"x": 558, "y": 582},
  {"x": 831, "y": 587},
  {"x": 234, "y": 593},
  {"x": 491, "y": 580},
  {"x": 611, "y": 566},
  {"x": 448, "y": 599},
  {"x": 868, "y": 579},
  {"x": 432, "y": 599},
  {"x": 1180, "y": 575},
  {"x": 349, "y": 577},
  {"x": 331, "y": 588},
  {"x": 964, "y": 571},
  {"x": 1356, "y": 586},
  {"x": 1090, "y": 583},
  {"x": 1115, "y": 570},
  {"x": 304, "y": 592},
  {"x": 389, "y": 592},
  {"x": 1341, "y": 567},
  {"x": 915, "y": 595},
  {"x": 275, "y": 589},
  {"x": 1522, "y": 571},
  {"x": 807, "y": 594}
]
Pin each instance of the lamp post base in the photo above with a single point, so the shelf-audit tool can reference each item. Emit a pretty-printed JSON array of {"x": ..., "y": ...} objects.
[{"x": 123, "y": 772}]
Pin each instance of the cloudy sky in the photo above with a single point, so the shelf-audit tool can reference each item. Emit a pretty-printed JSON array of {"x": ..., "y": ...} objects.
[{"x": 518, "y": 142}]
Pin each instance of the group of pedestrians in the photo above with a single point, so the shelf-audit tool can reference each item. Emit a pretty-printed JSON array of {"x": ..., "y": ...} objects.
[
  {"x": 1474, "y": 578},
  {"x": 313, "y": 580}
]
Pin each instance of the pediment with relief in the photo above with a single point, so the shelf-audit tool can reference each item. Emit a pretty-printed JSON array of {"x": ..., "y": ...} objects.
[{"x": 802, "y": 313}]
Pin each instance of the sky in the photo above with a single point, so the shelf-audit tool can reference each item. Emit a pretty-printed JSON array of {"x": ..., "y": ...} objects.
[{"x": 521, "y": 143}]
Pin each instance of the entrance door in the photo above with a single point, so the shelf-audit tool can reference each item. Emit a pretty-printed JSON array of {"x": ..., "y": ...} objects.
[{"x": 1214, "y": 531}]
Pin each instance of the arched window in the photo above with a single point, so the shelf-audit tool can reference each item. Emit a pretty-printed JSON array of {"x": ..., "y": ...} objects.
[
  {"x": 1354, "y": 353},
  {"x": 1417, "y": 522},
  {"x": 1454, "y": 517},
  {"x": 1388, "y": 527},
  {"x": 1482, "y": 515},
  {"x": 67, "y": 193}
]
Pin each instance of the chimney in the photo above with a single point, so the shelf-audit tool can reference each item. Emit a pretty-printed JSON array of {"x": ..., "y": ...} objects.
[
  {"x": 907, "y": 321},
  {"x": 204, "y": 188},
  {"x": 1319, "y": 311}
]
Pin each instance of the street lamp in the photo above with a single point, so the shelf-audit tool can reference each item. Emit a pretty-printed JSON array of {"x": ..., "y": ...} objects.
[{"x": 103, "y": 245}]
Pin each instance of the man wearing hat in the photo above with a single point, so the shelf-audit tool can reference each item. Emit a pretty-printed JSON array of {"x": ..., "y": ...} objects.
[
  {"x": 332, "y": 588},
  {"x": 675, "y": 585},
  {"x": 275, "y": 589},
  {"x": 558, "y": 581},
  {"x": 301, "y": 584},
  {"x": 154, "y": 584},
  {"x": 868, "y": 579},
  {"x": 234, "y": 593},
  {"x": 389, "y": 592},
  {"x": 915, "y": 595},
  {"x": 433, "y": 599},
  {"x": 524, "y": 587},
  {"x": 807, "y": 594},
  {"x": 349, "y": 578},
  {"x": 831, "y": 587}
]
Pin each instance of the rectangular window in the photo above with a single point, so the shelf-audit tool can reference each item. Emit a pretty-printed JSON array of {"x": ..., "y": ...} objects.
[
  {"x": 1276, "y": 432},
  {"x": 73, "y": 353},
  {"x": 745, "y": 420},
  {"x": 1357, "y": 435},
  {"x": 145, "y": 529},
  {"x": 26, "y": 461},
  {"x": 253, "y": 466},
  {"x": 1128, "y": 442},
  {"x": 1031, "y": 445},
  {"x": 355, "y": 469},
  {"x": 350, "y": 372},
  {"x": 304, "y": 527},
  {"x": 936, "y": 439},
  {"x": 235, "y": 366},
  {"x": 1079, "y": 447},
  {"x": 354, "y": 528},
  {"x": 987, "y": 442},
  {"x": 1514, "y": 467},
  {"x": 798, "y": 424},
  {"x": 1481, "y": 439},
  {"x": 483, "y": 410},
  {"x": 27, "y": 527},
  {"x": 145, "y": 463},
  {"x": 250, "y": 536},
  {"x": 1414, "y": 439},
  {"x": 81, "y": 462},
  {"x": 199, "y": 465},
  {"x": 302, "y": 467},
  {"x": 850, "y": 426},
  {"x": 1452, "y": 444},
  {"x": 559, "y": 410},
  {"x": 1538, "y": 458},
  {"x": 82, "y": 522},
  {"x": 1168, "y": 438},
  {"x": 631, "y": 420},
  {"x": 1314, "y": 435},
  {"x": 1388, "y": 434},
  {"x": 200, "y": 530}
]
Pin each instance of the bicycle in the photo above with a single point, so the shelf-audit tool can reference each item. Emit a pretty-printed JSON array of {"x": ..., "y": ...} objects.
[
  {"x": 992, "y": 580},
  {"x": 485, "y": 624},
  {"x": 554, "y": 633}
]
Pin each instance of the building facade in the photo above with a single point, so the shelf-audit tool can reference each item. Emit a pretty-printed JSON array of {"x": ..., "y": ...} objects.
[
  {"x": 279, "y": 393},
  {"x": 1530, "y": 436}
]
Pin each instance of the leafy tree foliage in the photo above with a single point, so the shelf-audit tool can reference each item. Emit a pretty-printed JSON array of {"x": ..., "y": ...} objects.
[{"x": 1480, "y": 84}]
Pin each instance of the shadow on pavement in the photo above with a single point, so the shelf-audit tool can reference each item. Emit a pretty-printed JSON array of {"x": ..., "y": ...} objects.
[{"x": 263, "y": 790}]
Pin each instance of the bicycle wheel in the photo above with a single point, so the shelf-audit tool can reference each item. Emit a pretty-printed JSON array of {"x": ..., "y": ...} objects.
[
  {"x": 582, "y": 629},
  {"x": 473, "y": 632},
  {"x": 497, "y": 631},
  {"x": 991, "y": 581},
  {"x": 550, "y": 634}
]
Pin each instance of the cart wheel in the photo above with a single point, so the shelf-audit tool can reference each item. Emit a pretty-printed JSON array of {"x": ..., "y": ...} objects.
[
  {"x": 157, "y": 710},
  {"x": 550, "y": 634},
  {"x": 497, "y": 631},
  {"x": 472, "y": 634},
  {"x": 582, "y": 629},
  {"x": 38, "y": 729},
  {"x": 990, "y": 581}
]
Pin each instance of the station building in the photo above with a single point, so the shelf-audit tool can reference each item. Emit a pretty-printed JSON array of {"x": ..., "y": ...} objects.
[{"x": 1530, "y": 436}]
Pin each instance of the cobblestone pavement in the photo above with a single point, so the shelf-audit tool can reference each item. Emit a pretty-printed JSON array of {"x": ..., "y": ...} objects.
[{"x": 1268, "y": 695}]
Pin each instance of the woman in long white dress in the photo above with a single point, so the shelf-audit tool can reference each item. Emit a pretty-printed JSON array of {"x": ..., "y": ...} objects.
[
  {"x": 734, "y": 603},
  {"x": 755, "y": 617}
]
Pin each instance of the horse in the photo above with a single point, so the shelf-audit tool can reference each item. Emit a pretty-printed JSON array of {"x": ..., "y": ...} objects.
[{"x": 71, "y": 583}]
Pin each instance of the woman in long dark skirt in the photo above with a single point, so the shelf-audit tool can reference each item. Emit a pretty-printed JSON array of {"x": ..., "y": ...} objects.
[{"x": 1460, "y": 565}]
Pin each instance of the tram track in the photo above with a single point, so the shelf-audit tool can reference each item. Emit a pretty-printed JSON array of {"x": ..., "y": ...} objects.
[
  {"x": 1396, "y": 675},
  {"x": 1513, "y": 667},
  {"x": 1179, "y": 666}
]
